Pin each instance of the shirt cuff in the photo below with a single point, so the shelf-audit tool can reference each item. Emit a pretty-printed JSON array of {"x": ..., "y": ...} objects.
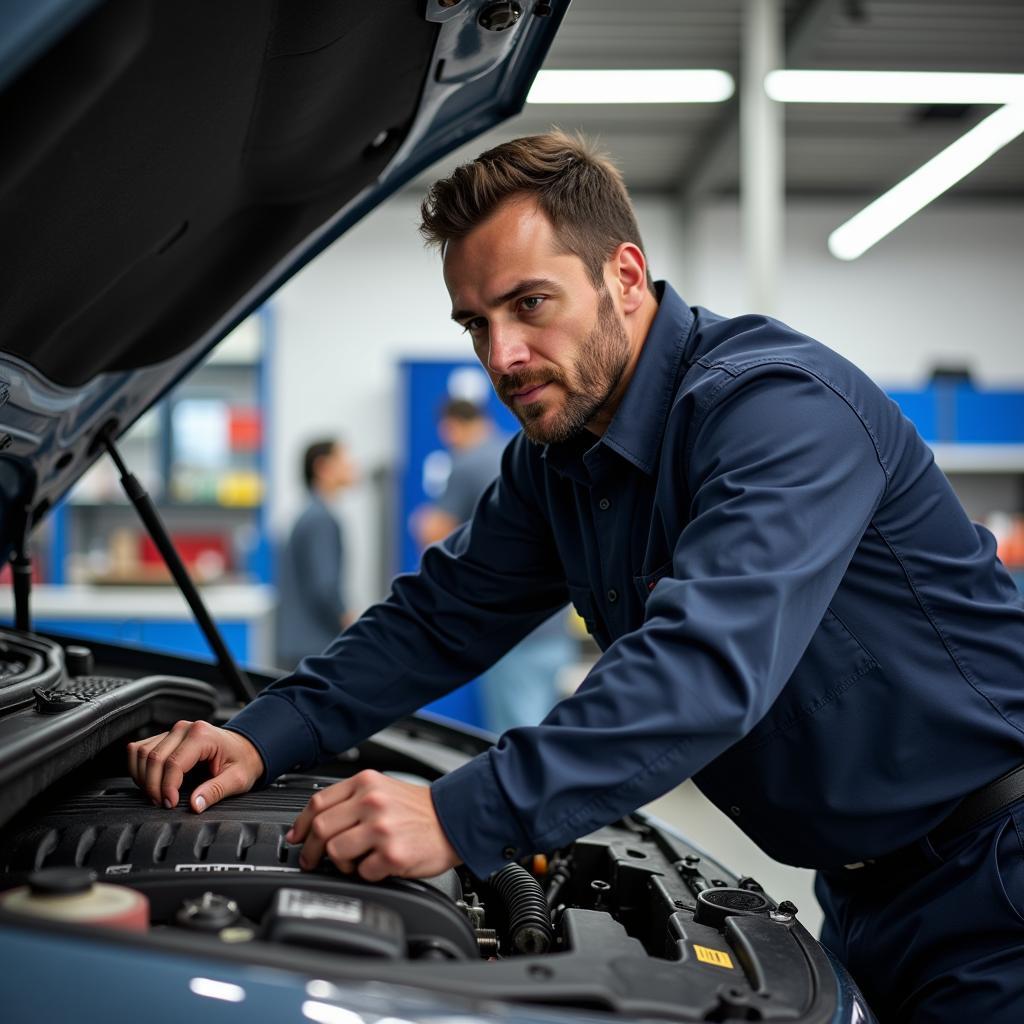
[
  {"x": 478, "y": 820},
  {"x": 282, "y": 737}
]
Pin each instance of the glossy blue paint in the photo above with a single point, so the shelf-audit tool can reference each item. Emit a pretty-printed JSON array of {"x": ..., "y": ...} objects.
[{"x": 52, "y": 978}]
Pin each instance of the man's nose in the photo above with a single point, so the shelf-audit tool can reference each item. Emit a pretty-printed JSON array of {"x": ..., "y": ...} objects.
[{"x": 507, "y": 349}]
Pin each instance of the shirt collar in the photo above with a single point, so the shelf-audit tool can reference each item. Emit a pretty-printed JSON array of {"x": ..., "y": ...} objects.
[{"x": 636, "y": 430}]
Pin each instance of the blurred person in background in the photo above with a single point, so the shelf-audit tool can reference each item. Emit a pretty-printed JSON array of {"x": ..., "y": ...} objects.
[
  {"x": 311, "y": 591},
  {"x": 522, "y": 687}
]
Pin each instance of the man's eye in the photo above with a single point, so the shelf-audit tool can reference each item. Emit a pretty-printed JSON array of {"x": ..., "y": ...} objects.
[
  {"x": 532, "y": 302},
  {"x": 475, "y": 325}
]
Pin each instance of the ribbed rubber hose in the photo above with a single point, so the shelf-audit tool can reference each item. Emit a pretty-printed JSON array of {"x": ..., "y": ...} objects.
[{"x": 529, "y": 925}]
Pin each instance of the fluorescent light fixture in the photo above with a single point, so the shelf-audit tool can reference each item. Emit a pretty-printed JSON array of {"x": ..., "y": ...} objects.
[
  {"x": 926, "y": 87},
  {"x": 641, "y": 86},
  {"x": 222, "y": 990},
  {"x": 928, "y": 182}
]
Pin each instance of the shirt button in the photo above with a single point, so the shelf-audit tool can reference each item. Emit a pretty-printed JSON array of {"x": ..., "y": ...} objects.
[
  {"x": 613, "y": 596},
  {"x": 734, "y": 811},
  {"x": 509, "y": 852},
  {"x": 604, "y": 504}
]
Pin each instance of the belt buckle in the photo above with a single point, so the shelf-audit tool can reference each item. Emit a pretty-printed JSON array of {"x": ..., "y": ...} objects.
[{"x": 857, "y": 865}]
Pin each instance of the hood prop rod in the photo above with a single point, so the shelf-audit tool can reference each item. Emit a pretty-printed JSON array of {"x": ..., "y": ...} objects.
[
  {"x": 21, "y": 574},
  {"x": 147, "y": 511}
]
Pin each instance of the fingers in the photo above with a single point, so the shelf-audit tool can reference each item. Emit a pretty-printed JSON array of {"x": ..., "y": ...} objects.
[
  {"x": 159, "y": 763},
  {"x": 345, "y": 849},
  {"x": 329, "y": 823},
  {"x": 180, "y": 752},
  {"x": 155, "y": 760},
  {"x": 317, "y": 804},
  {"x": 230, "y": 781},
  {"x": 137, "y": 758},
  {"x": 374, "y": 868}
]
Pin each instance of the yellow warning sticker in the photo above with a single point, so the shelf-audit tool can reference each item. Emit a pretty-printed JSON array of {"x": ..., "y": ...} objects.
[{"x": 718, "y": 957}]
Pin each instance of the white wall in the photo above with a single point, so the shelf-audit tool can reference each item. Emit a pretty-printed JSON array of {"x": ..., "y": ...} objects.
[{"x": 946, "y": 287}]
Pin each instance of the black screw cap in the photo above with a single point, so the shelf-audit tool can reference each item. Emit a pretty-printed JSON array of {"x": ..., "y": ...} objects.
[{"x": 61, "y": 881}]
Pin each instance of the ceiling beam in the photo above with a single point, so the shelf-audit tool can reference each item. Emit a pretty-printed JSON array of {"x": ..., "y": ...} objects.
[{"x": 718, "y": 151}]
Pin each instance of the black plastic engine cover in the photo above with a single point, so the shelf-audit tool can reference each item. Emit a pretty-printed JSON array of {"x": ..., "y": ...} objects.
[{"x": 235, "y": 848}]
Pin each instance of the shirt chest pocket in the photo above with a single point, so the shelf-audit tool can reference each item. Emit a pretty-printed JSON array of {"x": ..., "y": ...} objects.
[
  {"x": 646, "y": 582},
  {"x": 818, "y": 689}
]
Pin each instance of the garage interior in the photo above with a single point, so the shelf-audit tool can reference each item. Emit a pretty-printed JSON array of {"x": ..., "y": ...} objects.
[{"x": 738, "y": 196}]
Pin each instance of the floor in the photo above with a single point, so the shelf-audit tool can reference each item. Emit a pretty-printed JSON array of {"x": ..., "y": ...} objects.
[{"x": 700, "y": 822}]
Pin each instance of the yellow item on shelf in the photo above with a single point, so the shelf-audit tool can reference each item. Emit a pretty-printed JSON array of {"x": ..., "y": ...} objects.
[{"x": 240, "y": 488}]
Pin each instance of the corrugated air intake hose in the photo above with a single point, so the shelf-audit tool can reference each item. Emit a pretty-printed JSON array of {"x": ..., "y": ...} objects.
[{"x": 529, "y": 926}]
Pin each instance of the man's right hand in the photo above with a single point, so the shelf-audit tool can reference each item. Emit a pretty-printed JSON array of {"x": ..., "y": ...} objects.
[{"x": 158, "y": 764}]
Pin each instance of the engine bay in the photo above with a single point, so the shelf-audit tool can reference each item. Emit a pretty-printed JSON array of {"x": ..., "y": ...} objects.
[{"x": 630, "y": 919}]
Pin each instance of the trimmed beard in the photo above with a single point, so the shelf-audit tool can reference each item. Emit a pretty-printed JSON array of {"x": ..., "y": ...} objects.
[{"x": 589, "y": 383}]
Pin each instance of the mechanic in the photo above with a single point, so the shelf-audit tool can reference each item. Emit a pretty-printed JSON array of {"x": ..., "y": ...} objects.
[{"x": 793, "y": 608}]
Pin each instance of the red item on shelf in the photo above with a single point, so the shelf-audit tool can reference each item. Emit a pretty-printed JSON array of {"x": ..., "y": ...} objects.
[
  {"x": 39, "y": 574},
  {"x": 245, "y": 429},
  {"x": 190, "y": 546},
  {"x": 1011, "y": 547}
]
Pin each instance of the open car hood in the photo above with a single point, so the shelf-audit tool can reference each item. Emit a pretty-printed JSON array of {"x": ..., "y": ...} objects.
[{"x": 167, "y": 165}]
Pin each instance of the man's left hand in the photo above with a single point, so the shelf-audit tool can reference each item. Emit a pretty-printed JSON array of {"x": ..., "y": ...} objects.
[{"x": 375, "y": 825}]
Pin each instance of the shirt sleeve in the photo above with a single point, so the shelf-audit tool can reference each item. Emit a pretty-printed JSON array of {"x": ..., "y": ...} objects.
[
  {"x": 784, "y": 479},
  {"x": 477, "y": 594}
]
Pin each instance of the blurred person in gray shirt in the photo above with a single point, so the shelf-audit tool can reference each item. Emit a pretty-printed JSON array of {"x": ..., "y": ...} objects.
[
  {"x": 311, "y": 589},
  {"x": 521, "y": 688}
]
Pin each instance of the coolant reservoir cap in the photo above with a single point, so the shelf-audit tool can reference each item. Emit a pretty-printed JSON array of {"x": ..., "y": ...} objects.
[
  {"x": 60, "y": 881},
  {"x": 210, "y": 912},
  {"x": 715, "y": 905},
  {"x": 74, "y": 895}
]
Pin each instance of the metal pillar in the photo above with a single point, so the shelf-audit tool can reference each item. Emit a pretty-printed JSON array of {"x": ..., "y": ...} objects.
[{"x": 762, "y": 170}]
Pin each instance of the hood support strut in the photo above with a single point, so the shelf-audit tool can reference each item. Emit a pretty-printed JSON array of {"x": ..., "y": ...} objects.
[
  {"x": 21, "y": 573},
  {"x": 147, "y": 511}
]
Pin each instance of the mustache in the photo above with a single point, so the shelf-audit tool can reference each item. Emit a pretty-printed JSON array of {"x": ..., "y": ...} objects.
[{"x": 512, "y": 383}]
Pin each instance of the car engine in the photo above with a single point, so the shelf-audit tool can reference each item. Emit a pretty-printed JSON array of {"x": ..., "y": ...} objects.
[{"x": 630, "y": 919}]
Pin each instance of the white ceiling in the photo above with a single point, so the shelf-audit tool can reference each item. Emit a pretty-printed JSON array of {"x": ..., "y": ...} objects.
[{"x": 830, "y": 149}]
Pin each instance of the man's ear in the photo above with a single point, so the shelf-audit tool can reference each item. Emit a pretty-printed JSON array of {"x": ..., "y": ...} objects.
[{"x": 628, "y": 270}]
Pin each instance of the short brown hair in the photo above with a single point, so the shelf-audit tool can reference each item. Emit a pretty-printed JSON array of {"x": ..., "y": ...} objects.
[
  {"x": 461, "y": 409},
  {"x": 580, "y": 190}
]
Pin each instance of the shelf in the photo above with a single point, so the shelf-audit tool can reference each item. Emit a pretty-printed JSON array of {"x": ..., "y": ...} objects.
[
  {"x": 82, "y": 601},
  {"x": 979, "y": 458},
  {"x": 204, "y": 506}
]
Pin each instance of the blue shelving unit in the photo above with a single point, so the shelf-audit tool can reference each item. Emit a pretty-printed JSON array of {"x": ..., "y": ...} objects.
[
  {"x": 977, "y": 434},
  {"x": 67, "y": 524},
  {"x": 957, "y": 412},
  {"x": 258, "y": 557},
  {"x": 424, "y": 386}
]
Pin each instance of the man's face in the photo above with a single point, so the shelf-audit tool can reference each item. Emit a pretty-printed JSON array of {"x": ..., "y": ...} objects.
[
  {"x": 554, "y": 346},
  {"x": 337, "y": 470}
]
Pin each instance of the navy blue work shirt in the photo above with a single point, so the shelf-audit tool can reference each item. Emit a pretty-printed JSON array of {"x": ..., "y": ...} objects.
[{"x": 792, "y": 605}]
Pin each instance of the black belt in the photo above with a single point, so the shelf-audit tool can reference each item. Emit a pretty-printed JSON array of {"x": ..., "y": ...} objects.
[{"x": 974, "y": 807}]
